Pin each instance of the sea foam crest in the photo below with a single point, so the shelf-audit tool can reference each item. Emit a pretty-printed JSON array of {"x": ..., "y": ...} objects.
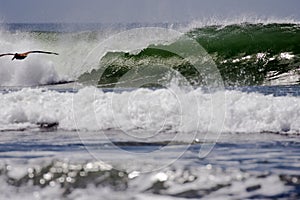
[{"x": 235, "y": 20}]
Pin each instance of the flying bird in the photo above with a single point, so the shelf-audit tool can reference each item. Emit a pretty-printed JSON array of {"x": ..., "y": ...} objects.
[{"x": 21, "y": 56}]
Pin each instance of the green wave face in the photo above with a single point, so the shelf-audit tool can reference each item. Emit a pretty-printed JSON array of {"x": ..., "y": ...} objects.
[
  {"x": 245, "y": 54},
  {"x": 250, "y": 54}
]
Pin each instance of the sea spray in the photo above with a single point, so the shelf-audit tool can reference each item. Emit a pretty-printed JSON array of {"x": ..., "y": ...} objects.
[{"x": 245, "y": 53}]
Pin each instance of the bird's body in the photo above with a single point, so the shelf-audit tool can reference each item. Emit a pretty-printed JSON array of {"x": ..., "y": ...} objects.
[{"x": 21, "y": 56}]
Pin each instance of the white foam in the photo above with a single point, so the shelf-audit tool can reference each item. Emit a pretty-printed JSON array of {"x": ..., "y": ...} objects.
[
  {"x": 288, "y": 78},
  {"x": 148, "y": 111},
  {"x": 29, "y": 73},
  {"x": 286, "y": 55}
]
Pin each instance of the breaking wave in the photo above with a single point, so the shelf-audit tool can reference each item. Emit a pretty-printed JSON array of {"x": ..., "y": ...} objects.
[{"x": 245, "y": 54}]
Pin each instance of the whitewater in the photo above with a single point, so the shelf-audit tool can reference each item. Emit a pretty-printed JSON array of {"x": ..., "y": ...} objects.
[
  {"x": 100, "y": 110},
  {"x": 143, "y": 112}
]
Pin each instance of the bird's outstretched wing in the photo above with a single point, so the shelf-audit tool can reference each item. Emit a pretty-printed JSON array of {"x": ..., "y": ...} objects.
[
  {"x": 47, "y": 52},
  {"x": 7, "y": 54}
]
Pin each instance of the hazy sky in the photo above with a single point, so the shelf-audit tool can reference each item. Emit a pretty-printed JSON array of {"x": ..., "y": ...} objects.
[{"x": 142, "y": 10}]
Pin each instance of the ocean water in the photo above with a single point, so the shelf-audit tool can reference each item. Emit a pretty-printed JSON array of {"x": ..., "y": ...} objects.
[{"x": 151, "y": 111}]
